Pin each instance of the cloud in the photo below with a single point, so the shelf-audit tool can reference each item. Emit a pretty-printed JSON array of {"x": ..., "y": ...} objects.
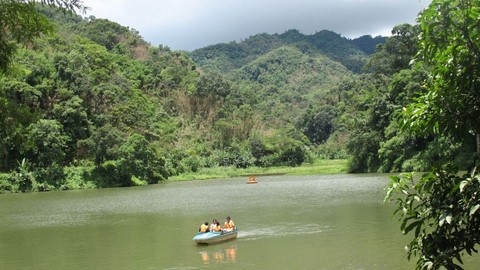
[{"x": 190, "y": 24}]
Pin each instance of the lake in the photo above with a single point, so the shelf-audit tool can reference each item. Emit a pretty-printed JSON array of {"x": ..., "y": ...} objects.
[{"x": 285, "y": 222}]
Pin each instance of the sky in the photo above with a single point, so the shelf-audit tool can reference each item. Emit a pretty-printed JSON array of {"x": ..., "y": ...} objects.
[{"x": 193, "y": 24}]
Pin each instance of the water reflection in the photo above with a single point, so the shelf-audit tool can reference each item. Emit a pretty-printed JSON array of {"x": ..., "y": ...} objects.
[{"x": 228, "y": 254}]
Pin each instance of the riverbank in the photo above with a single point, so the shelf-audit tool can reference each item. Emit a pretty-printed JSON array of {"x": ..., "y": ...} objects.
[
  {"x": 85, "y": 177},
  {"x": 330, "y": 166}
]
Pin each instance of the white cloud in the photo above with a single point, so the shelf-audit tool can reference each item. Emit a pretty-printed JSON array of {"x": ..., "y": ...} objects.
[{"x": 190, "y": 24}]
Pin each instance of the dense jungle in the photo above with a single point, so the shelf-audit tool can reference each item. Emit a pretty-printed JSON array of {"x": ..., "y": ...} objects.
[{"x": 92, "y": 104}]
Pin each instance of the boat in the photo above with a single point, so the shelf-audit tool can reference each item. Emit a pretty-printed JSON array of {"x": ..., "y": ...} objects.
[
  {"x": 252, "y": 180},
  {"x": 214, "y": 237}
]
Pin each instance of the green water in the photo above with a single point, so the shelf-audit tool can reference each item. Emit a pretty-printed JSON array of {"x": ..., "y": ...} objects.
[{"x": 307, "y": 222}]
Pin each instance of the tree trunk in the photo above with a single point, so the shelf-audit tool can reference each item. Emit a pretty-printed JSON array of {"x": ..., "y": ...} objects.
[{"x": 478, "y": 144}]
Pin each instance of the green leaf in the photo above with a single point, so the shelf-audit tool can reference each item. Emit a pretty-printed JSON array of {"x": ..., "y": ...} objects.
[
  {"x": 412, "y": 225},
  {"x": 428, "y": 265},
  {"x": 462, "y": 185},
  {"x": 445, "y": 217},
  {"x": 449, "y": 219},
  {"x": 474, "y": 209}
]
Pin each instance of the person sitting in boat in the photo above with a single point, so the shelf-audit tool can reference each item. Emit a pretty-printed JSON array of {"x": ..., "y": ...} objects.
[
  {"x": 217, "y": 227},
  {"x": 204, "y": 228},
  {"x": 213, "y": 225},
  {"x": 229, "y": 225}
]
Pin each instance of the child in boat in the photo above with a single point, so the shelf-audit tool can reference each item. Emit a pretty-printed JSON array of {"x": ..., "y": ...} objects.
[
  {"x": 213, "y": 225},
  {"x": 229, "y": 225},
  {"x": 217, "y": 227},
  {"x": 204, "y": 228}
]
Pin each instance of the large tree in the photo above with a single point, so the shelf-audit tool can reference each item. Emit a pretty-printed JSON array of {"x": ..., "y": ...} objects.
[
  {"x": 442, "y": 208},
  {"x": 21, "y": 22},
  {"x": 450, "y": 47}
]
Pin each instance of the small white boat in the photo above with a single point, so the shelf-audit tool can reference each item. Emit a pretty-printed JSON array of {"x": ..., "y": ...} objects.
[{"x": 214, "y": 237}]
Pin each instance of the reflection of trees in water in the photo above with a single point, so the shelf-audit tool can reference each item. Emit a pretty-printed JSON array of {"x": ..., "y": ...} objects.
[{"x": 227, "y": 255}]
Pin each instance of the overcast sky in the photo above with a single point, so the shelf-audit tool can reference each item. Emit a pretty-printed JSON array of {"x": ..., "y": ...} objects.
[{"x": 192, "y": 24}]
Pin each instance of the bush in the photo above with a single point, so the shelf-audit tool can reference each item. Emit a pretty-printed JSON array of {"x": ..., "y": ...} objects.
[
  {"x": 239, "y": 158},
  {"x": 49, "y": 178},
  {"x": 190, "y": 163},
  {"x": 279, "y": 151},
  {"x": 78, "y": 178},
  {"x": 5, "y": 184},
  {"x": 138, "y": 159},
  {"x": 22, "y": 179},
  {"x": 138, "y": 182},
  {"x": 25, "y": 179},
  {"x": 441, "y": 210},
  {"x": 105, "y": 175}
]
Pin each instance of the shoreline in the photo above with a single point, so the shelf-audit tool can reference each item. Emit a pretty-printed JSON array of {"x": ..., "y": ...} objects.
[
  {"x": 323, "y": 166},
  {"x": 77, "y": 181}
]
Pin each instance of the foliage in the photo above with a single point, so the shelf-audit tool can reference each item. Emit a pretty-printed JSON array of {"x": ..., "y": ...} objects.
[
  {"x": 449, "y": 45},
  {"x": 138, "y": 158},
  {"x": 5, "y": 184},
  {"x": 18, "y": 103},
  {"x": 376, "y": 141},
  {"x": 279, "y": 150},
  {"x": 368, "y": 44},
  {"x": 78, "y": 177},
  {"x": 102, "y": 144},
  {"x": 227, "y": 57},
  {"x": 442, "y": 207},
  {"x": 20, "y": 22},
  {"x": 47, "y": 143},
  {"x": 48, "y": 178},
  {"x": 397, "y": 52},
  {"x": 318, "y": 126},
  {"x": 94, "y": 105},
  {"x": 322, "y": 166},
  {"x": 22, "y": 179},
  {"x": 441, "y": 210}
]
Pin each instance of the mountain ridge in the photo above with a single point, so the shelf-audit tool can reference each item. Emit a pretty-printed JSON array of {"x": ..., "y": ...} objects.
[{"x": 224, "y": 57}]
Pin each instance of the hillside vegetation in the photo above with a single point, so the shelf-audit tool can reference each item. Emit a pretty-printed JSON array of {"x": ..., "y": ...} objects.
[
  {"x": 94, "y": 105},
  {"x": 352, "y": 54},
  {"x": 91, "y": 104}
]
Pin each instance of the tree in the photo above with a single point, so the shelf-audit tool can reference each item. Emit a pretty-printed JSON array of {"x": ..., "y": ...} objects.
[
  {"x": 318, "y": 124},
  {"x": 441, "y": 208},
  {"x": 47, "y": 143},
  {"x": 397, "y": 52},
  {"x": 71, "y": 114},
  {"x": 19, "y": 105},
  {"x": 140, "y": 160},
  {"x": 102, "y": 145},
  {"x": 450, "y": 46},
  {"x": 21, "y": 22}
]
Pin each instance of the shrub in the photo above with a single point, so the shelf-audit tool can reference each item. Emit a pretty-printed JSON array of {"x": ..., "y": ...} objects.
[
  {"x": 278, "y": 151},
  {"x": 235, "y": 156},
  {"x": 78, "y": 178},
  {"x": 5, "y": 184},
  {"x": 48, "y": 178},
  {"x": 22, "y": 179},
  {"x": 138, "y": 182}
]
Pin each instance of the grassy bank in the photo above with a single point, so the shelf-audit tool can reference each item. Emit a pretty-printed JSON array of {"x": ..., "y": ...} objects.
[
  {"x": 318, "y": 167},
  {"x": 83, "y": 178}
]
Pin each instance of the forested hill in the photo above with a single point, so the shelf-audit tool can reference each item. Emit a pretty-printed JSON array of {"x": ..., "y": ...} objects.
[
  {"x": 95, "y": 105},
  {"x": 352, "y": 53}
]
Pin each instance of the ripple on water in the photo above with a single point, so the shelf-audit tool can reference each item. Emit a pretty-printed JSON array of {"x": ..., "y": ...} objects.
[{"x": 282, "y": 230}]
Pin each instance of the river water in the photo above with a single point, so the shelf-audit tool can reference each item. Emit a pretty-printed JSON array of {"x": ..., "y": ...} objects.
[{"x": 285, "y": 222}]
